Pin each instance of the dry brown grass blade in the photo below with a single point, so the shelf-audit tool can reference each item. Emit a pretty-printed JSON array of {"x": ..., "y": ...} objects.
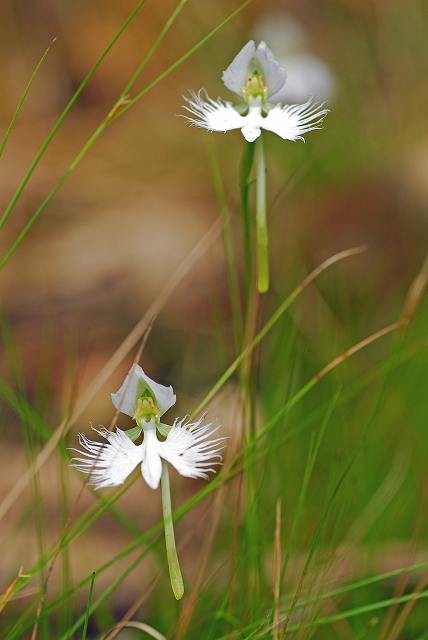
[
  {"x": 415, "y": 293},
  {"x": 8, "y": 593},
  {"x": 413, "y": 298},
  {"x": 311, "y": 277},
  {"x": 118, "y": 356},
  {"x": 142, "y": 626},
  {"x": 133, "y": 609},
  {"x": 400, "y": 623},
  {"x": 357, "y": 347},
  {"x": 391, "y": 619}
]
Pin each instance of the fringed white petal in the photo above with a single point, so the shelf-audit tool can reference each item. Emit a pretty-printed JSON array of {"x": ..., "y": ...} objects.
[
  {"x": 213, "y": 115},
  {"x": 290, "y": 122},
  {"x": 108, "y": 465},
  {"x": 191, "y": 449},
  {"x": 293, "y": 121},
  {"x": 216, "y": 115},
  {"x": 125, "y": 399}
]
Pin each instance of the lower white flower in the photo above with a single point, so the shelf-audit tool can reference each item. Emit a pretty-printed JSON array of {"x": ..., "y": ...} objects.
[
  {"x": 188, "y": 447},
  {"x": 290, "y": 122}
]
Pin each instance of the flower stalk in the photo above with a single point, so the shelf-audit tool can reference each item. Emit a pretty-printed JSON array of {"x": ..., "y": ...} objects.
[
  {"x": 171, "y": 551},
  {"x": 245, "y": 182},
  {"x": 261, "y": 219}
]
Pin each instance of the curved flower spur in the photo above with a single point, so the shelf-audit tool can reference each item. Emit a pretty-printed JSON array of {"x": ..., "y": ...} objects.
[
  {"x": 188, "y": 446},
  {"x": 259, "y": 80}
]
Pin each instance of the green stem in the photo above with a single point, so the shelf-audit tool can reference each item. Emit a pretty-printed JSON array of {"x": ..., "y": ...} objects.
[
  {"x": 171, "y": 552},
  {"x": 245, "y": 182},
  {"x": 261, "y": 219}
]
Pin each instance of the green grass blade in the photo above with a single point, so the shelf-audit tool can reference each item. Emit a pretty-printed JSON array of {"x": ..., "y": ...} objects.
[
  {"x": 23, "y": 98},
  {"x": 88, "y": 607},
  {"x": 183, "y": 58},
  {"x": 46, "y": 143},
  {"x": 313, "y": 453},
  {"x": 102, "y": 598},
  {"x": 362, "y": 610}
]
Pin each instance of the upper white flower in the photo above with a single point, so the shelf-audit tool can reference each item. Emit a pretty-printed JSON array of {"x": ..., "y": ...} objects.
[
  {"x": 259, "y": 79},
  {"x": 188, "y": 445}
]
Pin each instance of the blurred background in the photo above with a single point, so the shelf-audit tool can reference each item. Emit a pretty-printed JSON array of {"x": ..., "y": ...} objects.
[{"x": 139, "y": 203}]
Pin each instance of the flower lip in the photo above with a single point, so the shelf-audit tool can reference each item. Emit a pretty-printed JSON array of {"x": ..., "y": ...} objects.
[
  {"x": 192, "y": 448},
  {"x": 136, "y": 382}
]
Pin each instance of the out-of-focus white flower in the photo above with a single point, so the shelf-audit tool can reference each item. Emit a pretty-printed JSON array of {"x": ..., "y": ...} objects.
[
  {"x": 189, "y": 446},
  {"x": 259, "y": 79},
  {"x": 307, "y": 75}
]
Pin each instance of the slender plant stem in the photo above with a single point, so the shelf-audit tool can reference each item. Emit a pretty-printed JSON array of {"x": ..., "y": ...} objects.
[
  {"x": 248, "y": 375},
  {"x": 245, "y": 183},
  {"x": 261, "y": 219},
  {"x": 171, "y": 552}
]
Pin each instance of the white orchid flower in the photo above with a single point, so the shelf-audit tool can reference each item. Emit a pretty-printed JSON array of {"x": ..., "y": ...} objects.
[
  {"x": 259, "y": 79},
  {"x": 188, "y": 446}
]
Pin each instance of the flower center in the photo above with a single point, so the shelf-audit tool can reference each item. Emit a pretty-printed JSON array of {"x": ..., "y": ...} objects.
[
  {"x": 254, "y": 87},
  {"x": 146, "y": 408}
]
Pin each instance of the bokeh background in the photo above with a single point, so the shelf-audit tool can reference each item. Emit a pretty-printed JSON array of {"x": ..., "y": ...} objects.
[{"x": 138, "y": 204}]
